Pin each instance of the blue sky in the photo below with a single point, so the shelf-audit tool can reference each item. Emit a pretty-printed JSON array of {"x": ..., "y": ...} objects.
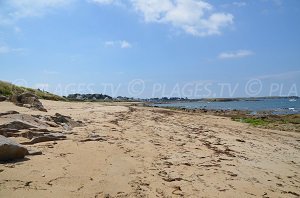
[{"x": 152, "y": 48}]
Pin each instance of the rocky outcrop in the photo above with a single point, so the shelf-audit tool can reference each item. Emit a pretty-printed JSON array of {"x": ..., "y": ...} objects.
[
  {"x": 9, "y": 129},
  {"x": 2, "y": 98},
  {"x": 10, "y": 150},
  {"x": 28, "y": 100},
  {"x": 34, "y": 128}
]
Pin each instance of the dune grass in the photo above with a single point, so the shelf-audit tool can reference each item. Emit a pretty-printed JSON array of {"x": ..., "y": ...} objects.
[{"x": 8, "y": 89}]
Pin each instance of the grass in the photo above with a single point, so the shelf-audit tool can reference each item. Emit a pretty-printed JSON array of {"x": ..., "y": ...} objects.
[
  {"x": 253, "y": 121},
  {"x": 8, "y": 89},
  {"x": 279, "y": 122}
]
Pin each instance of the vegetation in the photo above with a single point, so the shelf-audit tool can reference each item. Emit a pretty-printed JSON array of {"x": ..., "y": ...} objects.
[
  {"x": 268, "y": 121},
  {"x": 8, "y": 89},
  {"x": 280, "y": 122},
  {"x": 252, "y": 121}
]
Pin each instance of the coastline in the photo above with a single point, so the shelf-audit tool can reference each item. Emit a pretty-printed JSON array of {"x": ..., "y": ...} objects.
[
  {"x": 154, "y": 152},
  {"x": 263, "y": 119}
]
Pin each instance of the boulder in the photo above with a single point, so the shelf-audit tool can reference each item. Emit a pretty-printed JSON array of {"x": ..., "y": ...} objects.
[
  {"x": 2, "y": 98},
  {"x": 28, "y": 100},
  {"x": 10, "y": 150}
]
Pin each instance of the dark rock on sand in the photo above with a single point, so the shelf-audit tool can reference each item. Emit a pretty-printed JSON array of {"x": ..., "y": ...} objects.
[
  {"x": 10, "y": 150},
  {"x": 28, "y": 100},
  {"x": 12, "y": 128},
  {"x": 34, "y": 152},
  {"x": 2, "y": 98},
  {"x": 46, "y": 138},
  {"x": 9, "y": 113},
  {"x": 94, "y": 138},
  {"x": 67, "y": 122},
  {"x": 17, "y": 125}
]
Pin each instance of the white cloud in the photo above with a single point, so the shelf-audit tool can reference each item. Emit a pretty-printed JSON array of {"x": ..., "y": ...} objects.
[
  {"x": 6, "y": 49},
  {"x": 236, "y": 54},
  {"x": 122, "y": 44},
  {"x": 239, "y": 3},
  {"x": 13, "y": 10},
  {"x": 195, "y": 17}
]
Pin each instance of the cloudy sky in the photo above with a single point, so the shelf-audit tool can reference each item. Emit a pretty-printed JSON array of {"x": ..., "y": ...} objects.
[{"x": 147, "y": 48}]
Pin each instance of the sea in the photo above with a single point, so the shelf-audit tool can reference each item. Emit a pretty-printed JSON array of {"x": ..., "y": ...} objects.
[{"x": 269, "y": 105}]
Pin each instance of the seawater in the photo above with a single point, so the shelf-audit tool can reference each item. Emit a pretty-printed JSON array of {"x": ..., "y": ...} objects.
[{"x": 276, "y": 106}]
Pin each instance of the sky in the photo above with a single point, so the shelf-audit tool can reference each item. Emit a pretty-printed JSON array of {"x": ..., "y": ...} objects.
[{"x": 152, "y": 48}]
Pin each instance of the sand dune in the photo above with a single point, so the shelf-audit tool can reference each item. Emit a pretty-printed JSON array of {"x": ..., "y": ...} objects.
[{"x": 131, "y": 151}]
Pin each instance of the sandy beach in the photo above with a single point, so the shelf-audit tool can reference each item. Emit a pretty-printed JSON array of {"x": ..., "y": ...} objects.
[{"x": 151, "y": 152}]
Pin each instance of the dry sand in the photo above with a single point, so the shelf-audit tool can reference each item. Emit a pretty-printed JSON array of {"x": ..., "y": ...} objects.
[{"x": 148, "y": 152}]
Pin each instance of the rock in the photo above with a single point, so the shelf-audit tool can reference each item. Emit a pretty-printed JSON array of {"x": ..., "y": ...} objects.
[
  {"x": 67, "y": 122},
  {"x": 2, "y": 98},
  {"x": 51, "y": 124},
  {"x": 17, "y": 125},
  {"x": 34, "y": 152},
  {"x": 94, "y": 137},
  {"x": 10, "y": 150},
  {"x": 11, "y": 129},
  {"x": 28, "y": 100},
  {"x": 239, "y": 140},
  {"x": 9, "y": 113},
  {"x": 46, "y": 138},
  {"x": 29, "y": 134},
  {"x": 8, "y": 132}
]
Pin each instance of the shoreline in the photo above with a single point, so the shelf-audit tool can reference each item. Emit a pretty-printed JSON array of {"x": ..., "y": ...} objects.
[{"x": 263, "y": 119}]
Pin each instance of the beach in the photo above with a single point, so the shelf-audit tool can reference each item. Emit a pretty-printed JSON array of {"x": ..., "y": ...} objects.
[{"x": 153, "y": 152}]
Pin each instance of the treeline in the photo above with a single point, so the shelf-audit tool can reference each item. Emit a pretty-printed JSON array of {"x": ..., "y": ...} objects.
[{"x": 89, "y": 97}]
